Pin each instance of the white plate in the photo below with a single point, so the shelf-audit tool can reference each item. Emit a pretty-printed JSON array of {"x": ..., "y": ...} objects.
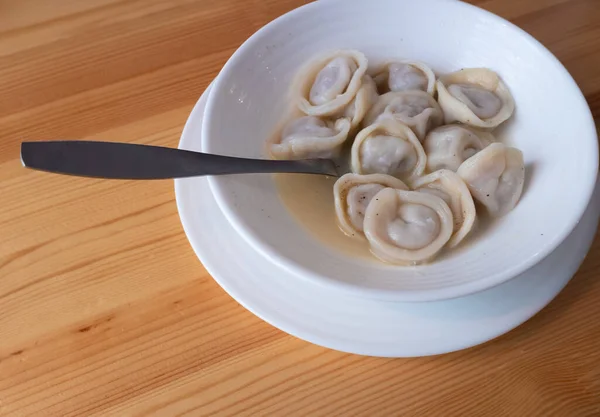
[{"x": 356, "y": 325}]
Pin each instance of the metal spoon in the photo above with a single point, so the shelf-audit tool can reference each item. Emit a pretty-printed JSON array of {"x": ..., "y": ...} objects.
[{"x": 143, "y": 162}]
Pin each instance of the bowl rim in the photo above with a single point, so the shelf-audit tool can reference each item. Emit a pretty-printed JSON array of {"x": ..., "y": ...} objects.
[{"x": 421, "y": 295}]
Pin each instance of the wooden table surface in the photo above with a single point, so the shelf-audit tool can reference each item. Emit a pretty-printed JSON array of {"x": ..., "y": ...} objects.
[{"x": 104, "y": 308}]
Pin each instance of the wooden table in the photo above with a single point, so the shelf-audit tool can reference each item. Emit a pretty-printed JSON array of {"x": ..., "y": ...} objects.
[{"x": 104, "y": 308}]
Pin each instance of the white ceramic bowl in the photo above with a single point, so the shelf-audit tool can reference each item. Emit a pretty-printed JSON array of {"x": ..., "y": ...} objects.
[{"x": 552, "y": 125}]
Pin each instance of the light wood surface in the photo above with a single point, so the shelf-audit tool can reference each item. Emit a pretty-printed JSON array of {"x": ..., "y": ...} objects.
[{"x": 104, "y": 308}]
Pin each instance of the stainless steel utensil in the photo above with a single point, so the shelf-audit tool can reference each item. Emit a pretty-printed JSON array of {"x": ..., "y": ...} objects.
[{"x": 143, "y": 162}]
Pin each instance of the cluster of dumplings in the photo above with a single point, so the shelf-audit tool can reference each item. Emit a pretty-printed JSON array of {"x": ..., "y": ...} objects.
[{"x": 421, "y": 150}]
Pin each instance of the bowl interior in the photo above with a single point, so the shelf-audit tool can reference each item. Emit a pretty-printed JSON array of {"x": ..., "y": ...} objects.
[{"x": 552, "y": 125}]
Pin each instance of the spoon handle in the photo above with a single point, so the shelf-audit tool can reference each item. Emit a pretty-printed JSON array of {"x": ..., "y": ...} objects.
[{"x": 130, "y": 161}]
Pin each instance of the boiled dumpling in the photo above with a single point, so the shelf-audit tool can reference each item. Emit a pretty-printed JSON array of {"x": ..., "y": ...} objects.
[
  {"x": 449, "y": 146},
  {"x": 352, "y": 194},
  {"x": 451, "y": 188},
  {"x": 417, "y": 109},
  {"x": 388, "y": 147},
  {"x": 407, "y": 227},
  {"x": 405, "y": 76},
  {"x": 329, "y": 83},
  {"x": 311, "y": 137},
  {"x": 475, "y": 96},
  {"x": 365, "y": 97},
  {"x": 495, "y": 177}
]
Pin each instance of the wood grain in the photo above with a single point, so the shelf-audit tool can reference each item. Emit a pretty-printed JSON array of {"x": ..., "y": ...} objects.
[{"x": 105, "y": 310}]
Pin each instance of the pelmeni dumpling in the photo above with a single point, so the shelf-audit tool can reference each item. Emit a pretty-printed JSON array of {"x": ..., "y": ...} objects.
[
  {"x": 495, "y": 177},
  {"x": 407, "y": 227},
  {"x": 449, "y": 146},
  {"x": 365, "y": 97},
  {"x": 388, "y": 147},
  {"x": 416, "y": 109},
  {"x": 404, "y": 76},
  {"x": 311, "y": 137},
  {"x": 451, "y": 188},
  {"x": 329, "y": 83},
  {"x": 352, "y": 194},
  {"x": 475, "y": 96}
]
